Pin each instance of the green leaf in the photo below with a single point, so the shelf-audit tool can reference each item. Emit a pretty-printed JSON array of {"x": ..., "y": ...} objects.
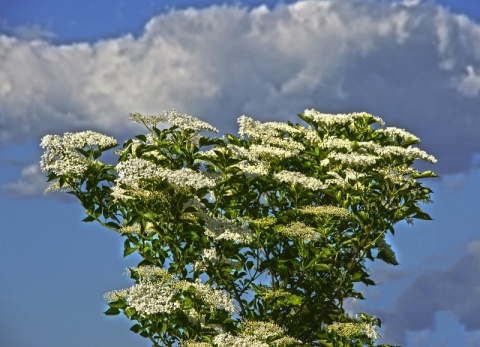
[
  {"x": 422, "y": 215},
  {"x": 141, "y": 138},
  {"x": 112, "y": 311},
  {"x": 136, "y": 328},
  {"x": 322, "y": 267},
  {"x": 89, "y": 218},
  {"x": 117, "y": 304},
  {"x": 294, "y": 300},
  {"x": 425, "y": 174}
]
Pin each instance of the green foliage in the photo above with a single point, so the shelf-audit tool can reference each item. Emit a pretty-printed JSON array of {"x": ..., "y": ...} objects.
[{"x": 258, "y": 239}]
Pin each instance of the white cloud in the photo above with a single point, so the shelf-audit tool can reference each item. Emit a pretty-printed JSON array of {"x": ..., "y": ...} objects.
[
  {"x": 455, "y": 290},
  {"x": 31, "y": 182},
  {"x": 403, "y": 61},
  {"x": 469, "y": 85},
  {"x": 26, "y": 31}
]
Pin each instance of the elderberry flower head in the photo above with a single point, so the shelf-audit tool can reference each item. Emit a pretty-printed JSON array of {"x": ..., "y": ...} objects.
[
  {"x": 62, "y": 154},
  {"x": 298, "y": 178},
  {"x": 209, "y": 255},
  {"x": 341, "y": 119},
  {"x": 224, "y": 229},
  {"x": 267, "y": 331},
  {"x": 299, "y": 230},
  {"x": 227, "y": 340},
  {"x": 270, "y": 133},
  {"x": 213, "y": 297},
  {"x": 150, "y": 298},
  {"x": 353, "y": 159},
  {"x": 391, "y": 151},
  {"x": 396, "y": 132},
  {"x": 180, "y": 120},
  {"x": 134, "y": 171},
  {"x": 350, "y": 330},
  {"x": 325, "y": 210}
]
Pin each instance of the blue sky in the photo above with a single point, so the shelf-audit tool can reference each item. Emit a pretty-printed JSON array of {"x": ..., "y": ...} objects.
[{"x": 77, "y": 65}]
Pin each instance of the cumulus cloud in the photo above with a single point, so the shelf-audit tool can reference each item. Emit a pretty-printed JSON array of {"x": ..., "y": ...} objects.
[
  {"x": 26, "y": 32},
  {"x": 31, "y": 182},
  {"x": 455, "y": 290},
  {"x": 414, "y": 64}
]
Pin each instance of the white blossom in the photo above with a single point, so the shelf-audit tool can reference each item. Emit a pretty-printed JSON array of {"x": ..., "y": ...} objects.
[
  {"x": 191, "y": 343},
  {"x": 181, "y": 120},
  {"x": 270, "y": 133},
  {"x": 398, "y": 175},
  {"x": 330, "y": 142},
  {"x": 342, "y": 119},
  {"x": 257, "y": 130},
  {"x": 256, "y": 153},
  {"x": 136, "y": 170},
  {"x": 351, "y": 330},
  {"x": 267, "y": 151},
  {"x": 300, "y": 230},
  {"x": 325, "y": 210},
  {"x": 211, "y": 296},
  {"x": 158, "y": 291},
  {"x": 150, "y": 298},
  {"x": 227, "y": 340},
  {"x": 225, "y": 229},
  {"x": 61, "y": 154},
  {"x": 389, "y": 151},
  {"x": 210, "y": 255},
  {"x": 353, "y": 159},
  {"x": 394, "y": 132},
  {"x": 256, "y": 169},
  {"x": 262, "y": 331},
  {"x": 298, "y": 178},
  {"x": 350, "y": 178}
]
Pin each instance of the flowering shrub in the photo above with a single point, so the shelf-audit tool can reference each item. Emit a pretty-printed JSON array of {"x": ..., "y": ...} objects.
[{"x": 250, "y": 240}]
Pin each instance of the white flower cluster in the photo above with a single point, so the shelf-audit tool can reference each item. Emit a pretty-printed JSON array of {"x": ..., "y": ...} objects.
[
  {"x": 135, "y": 228},
  {"x": 150, "y": 298},
  {"x": 342, "y": 119},
  {"x": 157, "y": 291},
  {"x": 256, "y": 334},
  {"x": 257, "y": 169},
  {"x": 267, "y": 293},
  {"x": 270, "y": 140},
  {"x": 350, "y": 330},
  {"x": 154, "y": 294},
  {"x": 61, "y": 154},
  {"x": 353, "y": 159},
  {"x": 256, "y": 152},
  {"x": 261, "y": 151},
  {"x": 135, "y": 170},
  {"x": 298, "y": 178},
  {"x": 351, "y": 178},
  {"x": 257, "y": 130},
  {"x": 389, "y": 151},
  {"x": 399, "y": 175},
  {"x": 264, "y": 331},
  {"x": 300, "y": 230},
  {"x": 210, "y": 255},
  {"x": 325, "y": 210},
  {"x": 225, "y": 229},
  {"x": 332, "y": 142},
  {"x": 181, "y": 120},
  {"x": 261, "y": 330},
  {"x": 191, "y": 343},
  {"x": 394, "y": 132},
  {"x": 271, "y": 133},
  {"x": 227, "y": 340},
  {"x": 211, "y": 296}
]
